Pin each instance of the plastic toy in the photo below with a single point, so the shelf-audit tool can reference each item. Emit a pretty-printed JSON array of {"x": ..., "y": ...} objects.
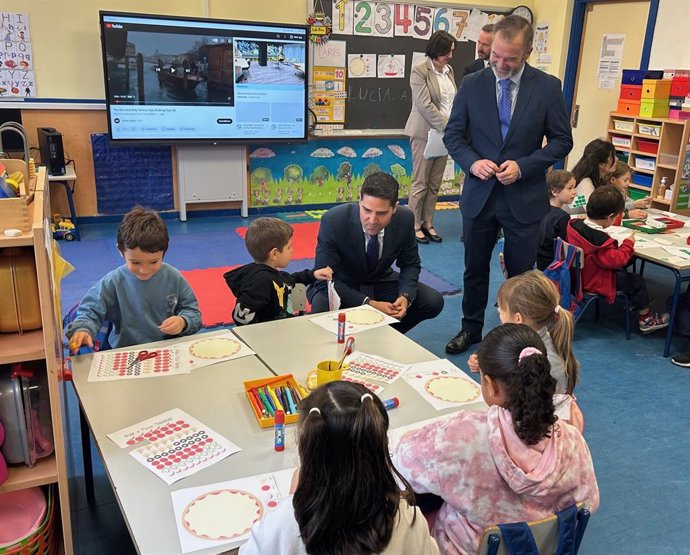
[{"x": 63, "y": 228}]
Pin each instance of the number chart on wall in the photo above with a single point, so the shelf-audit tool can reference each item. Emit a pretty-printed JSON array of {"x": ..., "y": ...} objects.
[{"x": 378, "y": 44}]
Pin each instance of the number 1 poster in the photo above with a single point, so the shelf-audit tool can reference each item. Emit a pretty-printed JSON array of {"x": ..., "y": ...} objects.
[{"x": 16, "y": 60}]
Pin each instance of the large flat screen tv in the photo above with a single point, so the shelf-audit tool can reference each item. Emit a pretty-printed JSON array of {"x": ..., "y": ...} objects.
[{"x": 191, "y": 80}]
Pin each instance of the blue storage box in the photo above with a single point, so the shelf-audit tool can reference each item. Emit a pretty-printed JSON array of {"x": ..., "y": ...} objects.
[
  {"x": 642, "y": 179},
  {"x": 635, "y": 76}
]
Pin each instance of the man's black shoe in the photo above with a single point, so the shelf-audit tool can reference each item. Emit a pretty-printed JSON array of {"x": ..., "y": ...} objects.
[{"x": 461, "y": 342}]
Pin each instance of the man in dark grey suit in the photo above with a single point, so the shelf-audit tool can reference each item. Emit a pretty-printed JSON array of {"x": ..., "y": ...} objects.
[
  {"x": 360, "y": 241},
  {"x": 496, "y": 134},
  {"x": 484, "y": 40}
]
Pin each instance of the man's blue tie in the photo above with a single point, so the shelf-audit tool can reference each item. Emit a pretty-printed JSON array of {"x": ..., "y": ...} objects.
[
  {"x": 372, "y": 253},
  {"x": 504, "y": 104}
]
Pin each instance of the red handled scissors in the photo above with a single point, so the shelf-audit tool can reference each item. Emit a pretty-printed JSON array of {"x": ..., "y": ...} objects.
[{"x": 141, "y": 356}]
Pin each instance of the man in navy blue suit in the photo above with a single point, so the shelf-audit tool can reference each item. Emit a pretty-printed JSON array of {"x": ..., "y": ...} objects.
[
  {"x": 360, "y": 241},
  {"x": 496, "y": 133}
]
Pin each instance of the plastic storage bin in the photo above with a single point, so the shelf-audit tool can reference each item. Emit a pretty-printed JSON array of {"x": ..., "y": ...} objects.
[
  {"x": 645, "y": 163},
  {"x": 651, "y": 129},
  {"x": 621, "y": 141},
  {"x": 647, "y": 145},
  {"x": 624, "y": 125},
  {"x": 642, "y": 180}
]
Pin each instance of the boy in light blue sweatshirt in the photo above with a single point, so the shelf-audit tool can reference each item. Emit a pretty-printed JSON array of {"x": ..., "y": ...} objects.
[{"x": 145, "y": 299}]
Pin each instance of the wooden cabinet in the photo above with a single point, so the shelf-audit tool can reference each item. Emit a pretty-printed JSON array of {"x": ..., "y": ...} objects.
[
  {"x": 44, "y": 344},
  {"x": 655, "y": 149}
]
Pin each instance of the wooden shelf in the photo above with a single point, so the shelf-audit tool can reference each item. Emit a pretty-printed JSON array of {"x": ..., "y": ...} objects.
[
  {"x": 639, "y": 170},
  {"x": 640, "y": 187},
  {"x": 621, "y": 148},
  {"x": 617, "y": 132},
  {"x": 21, "y": 477},
  {"x": 666, "y": 166},
  {"x": 15, "y": 347},
  {"x": 643, "y": 136},
  {"x": 662, "y": 201},
  {"x": 24, "y": 240},
  {"x": 643, "y": 153}
]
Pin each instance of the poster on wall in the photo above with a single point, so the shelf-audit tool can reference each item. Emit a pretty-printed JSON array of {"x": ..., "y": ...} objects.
[
  {"x": 332, "y": 170},
  {"x": 16, "y": 59},
  {"x": 329, "y": 94},
  {"x": 684, "y": 183},
  {"x": 610, "y": 60}
]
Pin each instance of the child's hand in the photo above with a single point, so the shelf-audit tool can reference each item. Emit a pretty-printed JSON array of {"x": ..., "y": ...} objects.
[
  {"x": 632, "y": 236},
  {"x": 324, "y": 274},
  {"x": 78, "y": 339},
  {"x": 174, "y": 325},
  {"x": 637, "y": 214},
  {"x": 473, "y": 363},
  {"x": 643, "y": 202}
]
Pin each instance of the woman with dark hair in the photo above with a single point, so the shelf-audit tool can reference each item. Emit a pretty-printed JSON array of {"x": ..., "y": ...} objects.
[
  {"x": 433, "y": 90},
  {"x": 515, "y": 462},
  {"x": 346, "y": 499},
  {"x": 598, "y": 160}
]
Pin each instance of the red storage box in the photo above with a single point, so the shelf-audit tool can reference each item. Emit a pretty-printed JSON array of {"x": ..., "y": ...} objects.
[
  {"x": 680, "y": 86},
  {"x": 628, "y": 107},
  {"x": 645, "y": 145},
  {"x": 631, "y": 92}
]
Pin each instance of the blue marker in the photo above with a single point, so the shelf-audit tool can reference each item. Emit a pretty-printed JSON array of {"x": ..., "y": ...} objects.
[{"x": 391, "y": 403}]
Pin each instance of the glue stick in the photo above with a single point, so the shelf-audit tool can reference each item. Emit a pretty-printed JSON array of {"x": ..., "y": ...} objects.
[
  {"x": 279, "y": 442},
  {"x": 341, "y": 333}
]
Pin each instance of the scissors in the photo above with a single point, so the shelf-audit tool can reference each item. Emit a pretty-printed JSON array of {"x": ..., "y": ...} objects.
[{"x": 141, "y": 356}]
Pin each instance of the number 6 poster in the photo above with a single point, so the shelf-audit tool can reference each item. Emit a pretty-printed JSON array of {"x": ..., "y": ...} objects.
[{"x": 16, "y": 60}]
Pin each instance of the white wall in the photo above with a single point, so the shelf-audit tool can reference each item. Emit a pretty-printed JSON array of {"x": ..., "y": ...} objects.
[{"x": 671, "y": 45}]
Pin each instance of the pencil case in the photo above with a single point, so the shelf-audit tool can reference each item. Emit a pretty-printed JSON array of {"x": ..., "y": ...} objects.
[
  {"x": 250, "y": 388},
  {"x": 20, "y": 308}
]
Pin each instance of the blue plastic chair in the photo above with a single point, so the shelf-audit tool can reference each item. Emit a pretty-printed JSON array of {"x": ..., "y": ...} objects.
[{"x": 559, "y": 534}]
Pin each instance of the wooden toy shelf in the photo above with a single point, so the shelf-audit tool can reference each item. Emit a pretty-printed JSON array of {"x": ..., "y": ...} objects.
[
  {"x": 657, "y": 149},
  {"x": 43, "y": 344}
]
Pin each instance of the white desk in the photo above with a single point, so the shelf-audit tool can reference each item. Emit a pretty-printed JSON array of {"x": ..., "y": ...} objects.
[
  {"x": 68, "y": 180},
  {"x": 295, "y": 345},
  {"x": 215, "y": 396}
]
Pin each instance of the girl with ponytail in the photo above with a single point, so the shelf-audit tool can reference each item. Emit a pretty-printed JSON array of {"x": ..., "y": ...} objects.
[
  {"x": 346, "y": 498},
  {"x": 515, "y": 462}
]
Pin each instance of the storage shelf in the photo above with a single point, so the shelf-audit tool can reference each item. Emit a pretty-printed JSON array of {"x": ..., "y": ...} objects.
[
  {"x": 639, "y": 170},
  {"x": 644, "y": 136},
  {"x": 15, "y": 347},
  {"x": 639, "y": 187},
  {"x": 621, "y": 148},
  {"x": 662, "y": 201},
  {"x": 666, "y": 166},
  {"x": 21, "y": 477},
  {"x": 619, "y": 132},
  {"x": 24, "y": 240},
  {"x": 643, "y": 153}
]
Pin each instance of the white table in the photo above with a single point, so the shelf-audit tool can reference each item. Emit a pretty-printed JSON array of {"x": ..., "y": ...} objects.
[
  {"x": 68, "y": 180},
  {"x": 215, "y": 396},
  {"x": 294, "y": 346}
]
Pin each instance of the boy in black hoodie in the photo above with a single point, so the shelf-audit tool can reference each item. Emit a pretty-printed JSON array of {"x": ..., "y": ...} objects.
[{"x": 261, "y": 289}]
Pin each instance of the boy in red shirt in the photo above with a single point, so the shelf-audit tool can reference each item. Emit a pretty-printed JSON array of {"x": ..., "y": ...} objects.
[{"x": 603, "y": 271}]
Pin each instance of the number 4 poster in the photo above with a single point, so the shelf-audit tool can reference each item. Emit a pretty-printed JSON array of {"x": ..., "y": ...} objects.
[{"x": 16, "y": 60}]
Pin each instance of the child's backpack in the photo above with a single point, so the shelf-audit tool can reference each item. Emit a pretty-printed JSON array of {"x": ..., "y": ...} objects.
[{"x": 565, "y": 272}]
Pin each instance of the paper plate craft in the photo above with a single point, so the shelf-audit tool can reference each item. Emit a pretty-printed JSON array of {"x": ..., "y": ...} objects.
[
  {"x": 453, "y": 389},
  {"x": 207, "y": 516},
  {"x": 216, "y": 347},
  {"x": 362, "y": 317}
]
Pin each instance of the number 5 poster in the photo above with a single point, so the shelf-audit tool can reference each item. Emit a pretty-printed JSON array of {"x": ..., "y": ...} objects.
[
  {"x": 16, "y": 60},
  {"x": 329, "y": 94}
]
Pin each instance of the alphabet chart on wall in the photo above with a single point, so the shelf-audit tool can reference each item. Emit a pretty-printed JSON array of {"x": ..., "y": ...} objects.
[{"x": 16, "y": 60}]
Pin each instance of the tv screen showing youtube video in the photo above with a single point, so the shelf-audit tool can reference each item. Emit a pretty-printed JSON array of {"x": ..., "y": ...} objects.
[{"x": 184, "y": 80}]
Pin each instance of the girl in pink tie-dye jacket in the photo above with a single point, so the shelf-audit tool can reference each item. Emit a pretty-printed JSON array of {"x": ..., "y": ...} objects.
[{"x": 514, "y": 463}]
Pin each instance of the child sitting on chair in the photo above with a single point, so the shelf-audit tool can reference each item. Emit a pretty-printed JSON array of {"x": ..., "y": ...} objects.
[
  {"x": 515, "y": 462},
  {"x": 261, "y": 289},
  {"x": 620, "y": 179},
  {"x": 603, "y": 270},
  {"x": 145, "y": 299},
  {"x": 560, "y": 186}
]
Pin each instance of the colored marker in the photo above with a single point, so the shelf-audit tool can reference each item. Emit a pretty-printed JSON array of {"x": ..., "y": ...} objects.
[
  {"x": 279, "y": 440},
  {"x": 256, "y": 407},
  {"x": 288, "y": 394},
  {"x": 267, "y": 402},
  {"x": 391, "y": 403},
  {"x": 259, "y": 403},
  {"x": 276, "y": 402}
]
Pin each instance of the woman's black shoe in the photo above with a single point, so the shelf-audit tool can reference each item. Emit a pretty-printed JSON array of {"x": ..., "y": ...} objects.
[
  {"x": 423, "y": 239},
  {"x": 433, "y": 237}
]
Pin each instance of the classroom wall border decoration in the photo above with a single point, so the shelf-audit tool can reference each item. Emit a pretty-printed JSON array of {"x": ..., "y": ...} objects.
[
  {"x": 376, "y": 93},
  {"x": 327, "y": 171}
]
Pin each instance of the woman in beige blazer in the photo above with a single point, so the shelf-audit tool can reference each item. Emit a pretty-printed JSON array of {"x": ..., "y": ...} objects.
[{"x": 433, "y": 90}]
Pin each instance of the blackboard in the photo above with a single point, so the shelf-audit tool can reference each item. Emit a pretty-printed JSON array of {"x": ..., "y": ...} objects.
[{"x": 374, "y": 103}]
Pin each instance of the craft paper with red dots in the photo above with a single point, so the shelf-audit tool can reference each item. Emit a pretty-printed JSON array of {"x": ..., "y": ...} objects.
[
  {"x": 174, "y": 445},
  {"x": 219, "y": 517},
  {"x": 442, "y": 384},
  {"x": 371, "y": 367},
  {"x": 357, "y": 319},
  {"x": 177, "y": 358},
  {"x": 371, "y": 385}
]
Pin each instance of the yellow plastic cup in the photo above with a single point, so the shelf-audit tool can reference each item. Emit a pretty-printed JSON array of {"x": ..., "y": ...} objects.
[{"x": 326, "y": 371}]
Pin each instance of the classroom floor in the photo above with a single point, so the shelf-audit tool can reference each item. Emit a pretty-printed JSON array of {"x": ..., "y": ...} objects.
[{"x": 632, "y": 398}]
